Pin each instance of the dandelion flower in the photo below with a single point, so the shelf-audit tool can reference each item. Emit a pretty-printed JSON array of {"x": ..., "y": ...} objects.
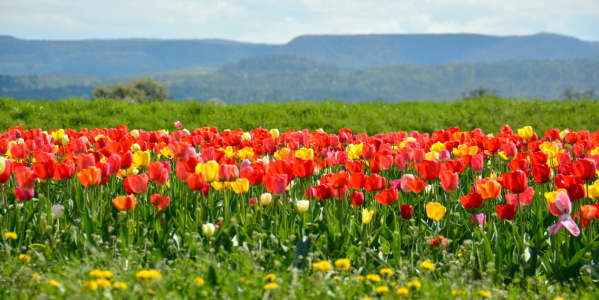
[
  {"x": 458, "y": 292},
  {"x": 402, "y": 291},
  {"x": 119, "y": 285},
  {"x": 414, "y": 284},
  {"x": 10, "y": 235},
  {"x": 270, "y": 277},
  {"x": 271, "y": 286},
  {"x": 382, "y": 289},
  {"x": 386, "y": 271},
  {"x": 484, "y": 294},
  {"x": 90, "y": 285},
  {"x": 374, "y": 278},
  {"x": 25, "y": 258},
  {"x": 343, "y": 264},
  {"x": 103, "y": 282},
  {"x": 199, "y": 281},
  {"x": 428, "y": 265}
]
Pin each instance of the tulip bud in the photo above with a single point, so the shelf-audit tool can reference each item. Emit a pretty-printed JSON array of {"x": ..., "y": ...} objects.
[
  {"x": 265, "y": 199},
  {"x": 367, "y": 216},
  {"x": 274, "y": 133},
  {"x": 246, "y": 136},
  {"x": 208, "y": 229},
  {"x": 178, "y": 125},
  {"x": 135, "y": 147}
]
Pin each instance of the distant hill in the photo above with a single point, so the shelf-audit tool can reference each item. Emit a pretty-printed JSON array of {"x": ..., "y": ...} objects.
[
  {"x": 278, "y": 63},
  {"x": 123, "y": 57},
  {"x": 111, "y": 58},
  {"x": 359, "y": 51},
  {"x": 268, "y": 79}
]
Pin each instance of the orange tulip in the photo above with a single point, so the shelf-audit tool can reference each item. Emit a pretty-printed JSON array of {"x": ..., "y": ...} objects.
[
  {"x": 124, "y": 202},
  {"x": 91, "y": 176},
  {"x": 488, "y": 188},
  {"x": 588, "y": 212}
]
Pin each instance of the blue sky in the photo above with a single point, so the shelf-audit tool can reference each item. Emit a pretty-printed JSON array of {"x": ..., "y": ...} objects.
[{"x": 270, "y": 21}]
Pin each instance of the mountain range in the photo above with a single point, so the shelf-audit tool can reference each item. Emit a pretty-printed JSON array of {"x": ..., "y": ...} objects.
[{"x": 301, "y": 68}]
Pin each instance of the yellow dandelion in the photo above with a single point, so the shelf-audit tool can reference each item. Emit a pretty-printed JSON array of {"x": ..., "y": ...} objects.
[
  {"x": 270, "y": 277},
  {"x": 108, "y": 275},
  {"x": 428, "y": 265},
  {"x": 147, "y": 275},
  {"x": 322, "y": 266},
  {"x": 458, "y": 292},
  {"x": 343, "y": 264},
  {"x": 386, "y": 271},
  {"x": 402, "y": 291},
  {"x": 382, "y": 289},
  {"x": 103, "y": 282},
  {"x": 199, "y": 281},
  {"x": 414, "y": 284},
  {"x": 484, "y": 294},
  {"x": 90, "y": 285},
  {"x": 36, "y": 276},
  {"x": 374, "y": 278},
  {"x": 558, "y": 298},
  {"x": 96, "y": 273},
  {"x": 271, "y": 286},
  {"x": 366, "y": 298},
  {"x": 119, "y": 285},
  {"x": 10, "y": 235},
  {"x": 54, "y": 282},
  {"x": 360, "y": 278},
  {"x": 25, "y": 258}
]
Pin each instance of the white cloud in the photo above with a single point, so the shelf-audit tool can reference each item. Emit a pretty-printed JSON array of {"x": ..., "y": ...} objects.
[{"x": 273, "y": 21}]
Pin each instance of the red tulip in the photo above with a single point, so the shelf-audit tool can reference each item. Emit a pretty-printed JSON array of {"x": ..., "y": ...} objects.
[
  {"x": 45, "y": 169},
  {"x": 114, "y": 163},
  {"x": 449, "y": 181},
  {"x": 85, "y": 161},
  {"x": 136, "y": 184},
  {"x": 415, "y": 184},
  {"x": 228, "y": 172},
  {"x": 357, "y": 181},
  {"x": 158, "y": 172},
  {"x": 588, "y": 212},
  {"x": 322, "y": 192},
  {"x": 516, "y": 181},
  {"x": 572, "y": 184},
  {"x": 477, "y": 162},
  {"x": 161, "y": 202},
  {"x": 375, "y": 183},
  {"x": 196, "y": 181},
  {"x": 429, "y": 169},
  {"x": 542, "y": 173},
  {"x": 518, "y": 164},
  {"x": 506, "y": 212},
  {"x": 472, "y": 200},
  {"x": 354, "y": 166},
  {"x": 584, "y": 169},
  {"x": 124, "y": 202},
  {"x": 303, "y": 168},
  {"x": 24, "y": 195},
  {"x": 357, "y": 198},
  {"x": 276, "y": 183},
  {"x": 253, "y": 175},
  {"x": 387, "y": 196},
  {"x": 538, "y": 157},
  {"x": 454, "y": 165},
  {"x": 406, "y": 211}
]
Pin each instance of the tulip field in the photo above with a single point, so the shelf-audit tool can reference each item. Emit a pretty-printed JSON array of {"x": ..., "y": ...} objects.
[{"x": 263, "y": 213}]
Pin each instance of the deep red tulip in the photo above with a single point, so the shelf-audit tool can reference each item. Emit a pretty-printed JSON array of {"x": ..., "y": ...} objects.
[
  {"x": 339, "y": 180},
  {"x": 454, "y": 165},
  {"x": 322, "y": 192},
  {"x": 24, "y": 195},
  {"x": 45, "y": 169},
  {"x": 114, "y": 163},
  {"x": 406, "y": 211},
  {"x": 572, "y": 184},
  {"x": 477, "y": 162},
  {"x": 472, "y": 200},
  {"x": 253, "y": 175},
  {"x": 196, "y": 181},
  {"x": 158, "y": 173},
  {"x": 538, "y": 157},
  {"x": 354, "y": 166},
  {"x": 518, "y": 164},
  {"x": 542, "y": 173},
  {"x": 506, "y": 212},
  {"x": 357, "y": 198},
  {"x": 136, "y": 184},
  {"x": 516, "y": 181},
  {"x": 387, "y": 196}
]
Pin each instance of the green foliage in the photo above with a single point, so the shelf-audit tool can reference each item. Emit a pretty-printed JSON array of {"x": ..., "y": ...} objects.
[
  {"x": 488, "y": 113},
  {"x": 141, "y": 91}
]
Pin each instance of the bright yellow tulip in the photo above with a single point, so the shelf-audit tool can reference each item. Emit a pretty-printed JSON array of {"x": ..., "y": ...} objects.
[
  {"x": 305, "y": 153},
  {"x": 438, "y": 147},
  {"x": 435, "y": 211},
  {"x": 367, "y": 215},
  {"x": 141, "y": 159},
  {"x": 525, "y": 132},
  {"x": 246, "y": 153},
  {"x": 210, "y": 170},
  {"x": 241, "y": 185}
]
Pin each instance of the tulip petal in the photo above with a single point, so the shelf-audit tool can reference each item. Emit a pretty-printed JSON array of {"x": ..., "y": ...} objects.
[
  {"x": 567, "y": 222},
  {"x": 553, "y": 229}
]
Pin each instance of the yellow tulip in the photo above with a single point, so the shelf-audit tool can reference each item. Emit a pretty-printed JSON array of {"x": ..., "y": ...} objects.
[
  {"x": 438, "y": 147},
  {"x": 282, "y": 154},
  {"x": 135, "y": 133},
  {"x": 229, "y": 152},
  {"x": 141, "y": 159},
  {"x": 221, "y": 186},
  {"x": 274, "y": 133},
  {"x": 246, "y": 153},
  {"x": 593, "y": 190},
  {"x": 2, "y": 164},
  {"x": 367, "y": 215},
  {"x": 210, "y": 170},
  {"x": 241, "y": 185},
  {"x": 246, "y": 136},
  {"x": 166, "y": 152},
  {"x": 58, "y": 134},
  {"x": 435, "y": 211},
  {"x": 305, "y": 153},
  {"x": 525, "y": 132},
  {"x": 431, "y": 155},
  {"x": 550, "y": 148},
  {"x": 354, "y": 151},
  {"x": 550, "y": 196},
  {"x": 403, "y": 143}
]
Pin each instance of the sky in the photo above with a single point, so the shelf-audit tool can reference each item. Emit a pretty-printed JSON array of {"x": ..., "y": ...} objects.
[{"x": 278, "y": 22}]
